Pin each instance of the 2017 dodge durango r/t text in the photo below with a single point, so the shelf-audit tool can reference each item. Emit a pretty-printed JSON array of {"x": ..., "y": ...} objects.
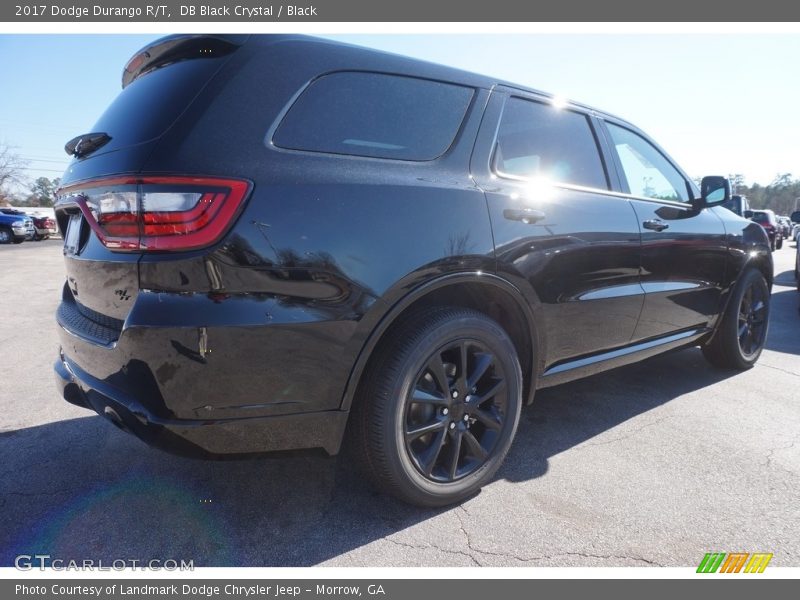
[{"x": 278, "y": 243}]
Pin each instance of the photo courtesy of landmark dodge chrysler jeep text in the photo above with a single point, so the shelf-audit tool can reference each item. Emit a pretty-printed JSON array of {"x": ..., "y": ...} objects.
[{"x": 276, "y": 242}]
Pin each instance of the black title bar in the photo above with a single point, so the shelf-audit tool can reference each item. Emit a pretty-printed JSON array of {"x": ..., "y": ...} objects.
[{"x": 495, "y": 11}]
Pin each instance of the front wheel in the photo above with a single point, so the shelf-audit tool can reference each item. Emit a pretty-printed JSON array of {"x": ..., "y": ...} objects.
[
  {"x": 439, "y": 406},
  {"x": 6, "y": 236},
  {"x": 741, "y": 334},
  {"x": 797, "y": 267}
]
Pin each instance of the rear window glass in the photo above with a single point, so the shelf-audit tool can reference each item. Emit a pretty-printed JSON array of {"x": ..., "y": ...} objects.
[
  {"x": 150, "y": 104},
  {"x": 375, "y": 115}
]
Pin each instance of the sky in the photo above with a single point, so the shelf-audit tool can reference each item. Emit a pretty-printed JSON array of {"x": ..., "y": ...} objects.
[{"x": 718, "y": 103}]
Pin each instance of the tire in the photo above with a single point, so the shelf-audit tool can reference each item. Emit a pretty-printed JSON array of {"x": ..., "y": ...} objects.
[
  {"x": 6, "y": 235},
  {"x": 797, "y": 269},
  {"x": 741, "y": 334},
  {"x": 425, "y": 444},
  {"x": 779, "y": 244}
]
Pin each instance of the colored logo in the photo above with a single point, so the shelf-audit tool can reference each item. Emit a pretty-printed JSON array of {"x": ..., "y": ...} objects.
[{"x": 734, "y": 562}]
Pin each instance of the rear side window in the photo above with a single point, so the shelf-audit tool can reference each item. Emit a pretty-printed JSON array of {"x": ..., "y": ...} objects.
[
  {"x": 540, "y": 140},
  {"x": 375, "y": 115}
]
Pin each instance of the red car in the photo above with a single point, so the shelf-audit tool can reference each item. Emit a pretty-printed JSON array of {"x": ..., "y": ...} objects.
[
  {"x": 767, "y": 219},
  {"x": 44, "y": 226}
]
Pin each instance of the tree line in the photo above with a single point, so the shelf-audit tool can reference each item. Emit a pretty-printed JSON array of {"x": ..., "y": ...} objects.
[
  {"x": 16, "y": 189},
  {"x": 782, "y": 195}
]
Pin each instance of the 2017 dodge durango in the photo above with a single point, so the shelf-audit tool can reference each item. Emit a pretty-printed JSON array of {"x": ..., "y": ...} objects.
[{"x": 276, "y": 242}]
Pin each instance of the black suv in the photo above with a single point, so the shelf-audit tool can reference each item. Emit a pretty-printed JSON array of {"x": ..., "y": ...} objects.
[{"x": 272, "y": 239}]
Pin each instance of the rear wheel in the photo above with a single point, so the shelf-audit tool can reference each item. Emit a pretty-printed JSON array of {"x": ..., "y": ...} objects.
[
  {"x": 741, "y": 335},
  {"x": 6, "y": 236},
  {"x": 779, "y": 243},
  {"x": 439, "y": 406},
  {"x": 797, "y": 267}
]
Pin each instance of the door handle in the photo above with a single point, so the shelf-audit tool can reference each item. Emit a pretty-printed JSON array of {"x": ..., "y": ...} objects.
[
  {"x": 529, "y": 216},
  {"x": 655, "y": 225}
]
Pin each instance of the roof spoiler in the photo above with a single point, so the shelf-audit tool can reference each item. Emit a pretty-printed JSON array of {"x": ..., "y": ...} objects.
[{"x": 175, "y": 48}]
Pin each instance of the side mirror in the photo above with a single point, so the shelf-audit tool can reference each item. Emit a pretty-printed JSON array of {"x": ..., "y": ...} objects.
[
  {"x": 748, "y": 214},
  {"x": 795, "y": 216},
  {"x": 714, "y": 190}
]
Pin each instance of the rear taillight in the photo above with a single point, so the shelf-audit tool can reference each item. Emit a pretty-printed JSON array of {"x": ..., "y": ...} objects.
[{"x": 158, "y": 213}]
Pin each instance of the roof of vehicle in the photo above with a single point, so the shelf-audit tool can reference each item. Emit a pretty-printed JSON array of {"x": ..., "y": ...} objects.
[
  {"x": 411, "y": 66},
  {"x": 391, "y": 62}
]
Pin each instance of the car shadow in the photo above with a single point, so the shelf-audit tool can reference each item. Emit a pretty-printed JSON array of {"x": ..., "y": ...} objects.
[{"x": 80, "y": 489}]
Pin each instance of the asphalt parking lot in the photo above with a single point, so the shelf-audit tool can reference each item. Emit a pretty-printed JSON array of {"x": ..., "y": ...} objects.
[{"x": 652, "y": 464}]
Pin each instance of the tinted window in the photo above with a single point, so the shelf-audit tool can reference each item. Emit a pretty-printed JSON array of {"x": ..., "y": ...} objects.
[
  {"x": 762, "y": 218},
  {"x": 648, "y": 173},
  {"x": 540, "y": 140},
  {"x": 146, "y": 107},
  {"x": 369, "y": 114}
]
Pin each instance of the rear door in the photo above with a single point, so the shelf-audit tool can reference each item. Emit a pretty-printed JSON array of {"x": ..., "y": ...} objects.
[
  {"x": 684, "y": 251},
  {"x": 559, "y": 232}
]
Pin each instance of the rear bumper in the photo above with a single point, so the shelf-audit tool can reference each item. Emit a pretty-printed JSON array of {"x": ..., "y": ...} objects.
[{"x": 201, "y": 438}]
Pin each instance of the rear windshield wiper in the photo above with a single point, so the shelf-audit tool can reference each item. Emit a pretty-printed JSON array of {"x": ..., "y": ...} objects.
[{"x": 86, "y": 143}]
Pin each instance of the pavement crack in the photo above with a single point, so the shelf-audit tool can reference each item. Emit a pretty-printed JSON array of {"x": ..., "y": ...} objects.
[
  {"x": 434, "y": 547},
  {"x": 647, "y": 561},
  {"x": 772, "y": 451},
  {"x": 763, "y": 364},
  {"x": 526, "y": 559}
]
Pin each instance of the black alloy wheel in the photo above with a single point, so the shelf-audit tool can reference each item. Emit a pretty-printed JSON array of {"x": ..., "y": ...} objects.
[
  {"x": 742, "y": 331},
  {"x": 753, "y": 319},
  {"x": 438, "y": 406},
  {"x": 455, "y": 411}
]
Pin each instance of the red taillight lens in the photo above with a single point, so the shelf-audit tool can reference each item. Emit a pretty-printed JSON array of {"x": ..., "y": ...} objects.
[{"x": 158, "y": 213}]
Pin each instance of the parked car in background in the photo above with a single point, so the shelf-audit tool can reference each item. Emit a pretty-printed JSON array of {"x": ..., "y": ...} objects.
[
  {"x": 271, "y": 242},
  {"x": 15, "y": 226},
  {"x": 737, "y": 204},
  {"x": 786, "y": 226},
  {"x": 796, "y": 233},
  {"x": 766, "y": 218},
  {"x": 44, "y": 226},
  {"x": 796, "y": 219}
]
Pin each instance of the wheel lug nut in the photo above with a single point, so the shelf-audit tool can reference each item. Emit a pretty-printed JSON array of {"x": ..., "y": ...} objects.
[
  {"x": 455, "y": 394},
  {"x": 466, "y": 417},
  {"x": 452, "y": 425},
  {"x": 445, "y": 411}
]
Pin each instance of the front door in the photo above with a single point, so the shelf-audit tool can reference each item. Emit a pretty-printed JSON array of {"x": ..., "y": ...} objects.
[
  {"x": 559, "y": 232},
  {"x": 684, "y": 250}
]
